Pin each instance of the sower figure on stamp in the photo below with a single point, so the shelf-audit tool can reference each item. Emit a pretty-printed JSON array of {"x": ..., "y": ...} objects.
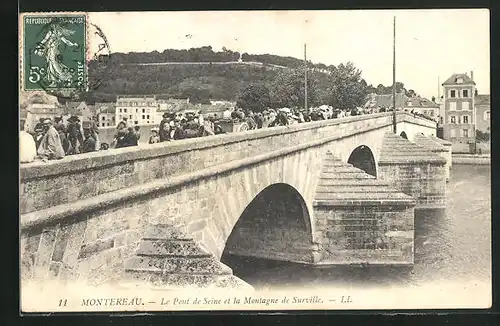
[
  {"x": 50, "y": 147},
  {"x": 57, "y": 72}
]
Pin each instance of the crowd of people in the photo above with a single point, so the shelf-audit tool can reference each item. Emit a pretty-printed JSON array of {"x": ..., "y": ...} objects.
[
  {"x": 52, "y": 140},
  {"x": 56, "y": 139}
]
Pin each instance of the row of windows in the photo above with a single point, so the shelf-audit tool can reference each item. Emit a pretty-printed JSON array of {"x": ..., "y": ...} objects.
[
  {"x": 136, "y": 110},
  {"x": 460, "y": 106},
  {"x": 135, "y": 103},
  {"x": 454, "y": 93},
  {"x": 464, "y": 133},
  {"x": 465, "y": 119}
]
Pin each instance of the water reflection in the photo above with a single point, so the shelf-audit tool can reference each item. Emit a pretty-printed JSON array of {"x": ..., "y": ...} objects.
[{"x": 451, "y": 244}]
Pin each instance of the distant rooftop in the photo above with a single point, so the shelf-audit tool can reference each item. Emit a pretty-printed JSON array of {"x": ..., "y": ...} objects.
[
  {"x": 482, "y": 99},
  {"x": 459, "y": 79},
  {"x": 421, "y": 102}
]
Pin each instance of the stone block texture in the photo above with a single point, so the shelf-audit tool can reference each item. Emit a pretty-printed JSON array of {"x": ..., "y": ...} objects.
[
  {"x": 359, "y": 219},
  {"x": 414, "y": 170},
  {"x": 216, "y": 180}
]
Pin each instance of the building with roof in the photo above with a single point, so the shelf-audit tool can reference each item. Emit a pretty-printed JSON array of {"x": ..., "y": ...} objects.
[
  {"x": 423, "y": 106},
  {"x": 138, "y": 109},
  {"x": 482, "y": 107},
  {"x": 37, "y": 105},
  {"x": 385, "y": 101},
  {"x": 459, "y": 110},
  {"x": 106, "y": 114}
]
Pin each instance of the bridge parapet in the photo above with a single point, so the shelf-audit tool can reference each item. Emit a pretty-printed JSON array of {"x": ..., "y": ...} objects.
[{"x": 73, "y": 178}]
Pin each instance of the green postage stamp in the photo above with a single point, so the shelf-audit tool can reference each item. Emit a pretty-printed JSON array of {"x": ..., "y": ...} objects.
[{"x": 54, "y": 53}]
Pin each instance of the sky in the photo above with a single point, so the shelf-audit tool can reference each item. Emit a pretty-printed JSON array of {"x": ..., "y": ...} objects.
[{"x": 430, "y": 44}]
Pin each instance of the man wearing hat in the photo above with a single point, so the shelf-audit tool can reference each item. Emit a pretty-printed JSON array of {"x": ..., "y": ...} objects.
[
  {"x": 50, "y": 146},
  {"x": 61, "y": 129},
  {"x": 164, "y": 130},
  {"x": 75, "y": 136}
]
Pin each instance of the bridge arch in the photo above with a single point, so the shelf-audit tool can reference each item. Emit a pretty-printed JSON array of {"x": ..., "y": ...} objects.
[
  {"x": 272, "y": 226},
  {"x": 403, "y": 134},
  {"x": 362, "y": 158}
]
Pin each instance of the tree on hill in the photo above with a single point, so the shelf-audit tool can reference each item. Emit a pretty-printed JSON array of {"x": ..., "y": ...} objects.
[
  {"x": 254, "y": 97},
  {"x": 345, "y": 87},
  {"x": 288, "y": 89}
]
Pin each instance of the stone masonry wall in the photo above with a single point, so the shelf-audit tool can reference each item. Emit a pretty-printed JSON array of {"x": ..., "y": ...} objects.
[
  {"x": 357, "y": 234},
  {"x": 425, "y": 182},
  {"x": 94, "y": 245},
  {"x": 83, "y": 176}
]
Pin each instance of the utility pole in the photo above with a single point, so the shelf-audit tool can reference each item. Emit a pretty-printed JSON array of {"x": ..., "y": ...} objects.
[
  {"x": 394, "y": 78},
  {"x": 305, "y": 81}
]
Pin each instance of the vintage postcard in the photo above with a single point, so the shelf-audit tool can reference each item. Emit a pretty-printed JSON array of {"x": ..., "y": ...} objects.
[{"x": 260, "y": 160}]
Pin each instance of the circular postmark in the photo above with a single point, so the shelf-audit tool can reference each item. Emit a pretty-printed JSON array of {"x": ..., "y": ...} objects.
[{"x": 68, "y": 58}]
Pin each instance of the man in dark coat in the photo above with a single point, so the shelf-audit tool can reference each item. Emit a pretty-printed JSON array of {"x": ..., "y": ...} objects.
[
  {"x": 164, "y": 131},
  {"x": 89, "y": 144},
  {"x": 74, "y": 135},
  {"x": 61, "y": 129}
]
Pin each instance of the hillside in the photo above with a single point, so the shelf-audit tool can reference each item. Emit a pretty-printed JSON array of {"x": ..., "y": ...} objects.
[{"x": 202, "y": 74}]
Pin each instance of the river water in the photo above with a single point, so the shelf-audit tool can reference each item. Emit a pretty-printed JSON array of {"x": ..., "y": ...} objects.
[{"x": 450, "y": 245}]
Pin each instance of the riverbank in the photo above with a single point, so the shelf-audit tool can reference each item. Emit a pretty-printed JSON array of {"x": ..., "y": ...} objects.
[{"x": 484, "y": 159}]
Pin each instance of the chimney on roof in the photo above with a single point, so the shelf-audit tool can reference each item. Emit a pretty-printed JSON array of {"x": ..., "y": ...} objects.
[{"x": 472, "y": 75}]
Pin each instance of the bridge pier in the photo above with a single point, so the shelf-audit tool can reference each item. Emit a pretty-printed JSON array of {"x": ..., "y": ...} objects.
[
  {"x": 436, "y": 148},
  {"x": 361, "y": 220},
  {"x": 414, "y": 170},
  {"x": 446, "y": 144}
]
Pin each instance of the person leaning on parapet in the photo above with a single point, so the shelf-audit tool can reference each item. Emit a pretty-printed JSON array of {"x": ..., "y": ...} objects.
[
  {"x": 38, "y": 132},
  {"x": 121, "y": 131},
  {"x": 61, "y": 129},
  {"x": 27, "y": 146},
  {"x": 75, "y": 136},
  {"x": 154, "y": 138},
  {"x": 50, "y": 147},
  {"x": 164, "y": 131},
  {"x": 89, "y": 144},
  {"x": 94, "y": 131}
]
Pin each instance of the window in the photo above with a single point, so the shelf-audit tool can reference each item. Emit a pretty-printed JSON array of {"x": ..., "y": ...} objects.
[
  {"x": 453, "y": 93},
  {"x": 103, "y": 124},
  {"x": 465, "y": 119},
  {"x": 136, "y": 122},
  {"x": 486, "y": 115},
  {"x": 120, "y": 110},
  {"x": 465, "y": 132},
  {"x": 148, "y": 121},
  {"x": 143, "y": 117},
  {"x": 441, "y": 119},
  {"x": 136, "y": 110},
  {"x": 147, "y": 116},
  {"x": 465, "y": 106},
  {"x": 124, "y": 110},
  {"x": 143, "y": 110},
  {"x": 453, "y": 133},
  {"x": 465, "y": 93},
  {"x": 130, "y": 116},
  {"x": 103, "y": 118},
  {"x": 453, "y": 105},
  {"x": 431, "y": 113},
  {"x": 459, "y": 80},
  {"x": 453, "y": 119},
  {"x": 108, "y": 124}
]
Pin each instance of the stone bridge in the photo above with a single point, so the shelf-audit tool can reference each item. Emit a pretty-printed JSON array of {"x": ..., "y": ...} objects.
[{"x": 329, "y": 192}]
